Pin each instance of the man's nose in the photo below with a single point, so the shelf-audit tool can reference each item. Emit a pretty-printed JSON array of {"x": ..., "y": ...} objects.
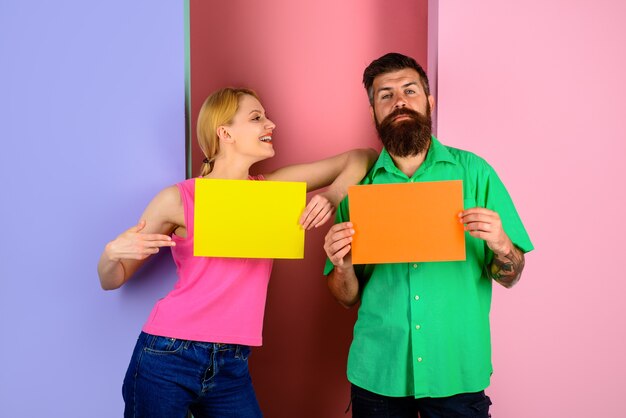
[{"x": 400, "y": 102}]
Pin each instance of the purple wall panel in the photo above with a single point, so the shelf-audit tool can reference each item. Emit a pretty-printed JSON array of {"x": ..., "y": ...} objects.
[{"x": 91, "y": 127}]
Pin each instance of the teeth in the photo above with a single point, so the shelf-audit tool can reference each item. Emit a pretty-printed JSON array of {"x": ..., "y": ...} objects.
[{"x": 266, "y": 138}]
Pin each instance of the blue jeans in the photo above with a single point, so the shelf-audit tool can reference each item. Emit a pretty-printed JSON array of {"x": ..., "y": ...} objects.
[
  {"x": 168, "y": 377},
  {"x": 366, "y": 404}
]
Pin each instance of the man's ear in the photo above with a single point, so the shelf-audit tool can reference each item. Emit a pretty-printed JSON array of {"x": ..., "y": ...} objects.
[
  {"x": 223, "y": 134},
  {"x": 431, "y": 100}
]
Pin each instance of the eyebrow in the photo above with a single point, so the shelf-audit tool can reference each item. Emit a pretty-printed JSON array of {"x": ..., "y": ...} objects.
[{"x": 410, "y": 83}]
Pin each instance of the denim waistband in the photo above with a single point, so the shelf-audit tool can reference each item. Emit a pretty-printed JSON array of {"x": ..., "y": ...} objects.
[{"x": 150, "y": 340}]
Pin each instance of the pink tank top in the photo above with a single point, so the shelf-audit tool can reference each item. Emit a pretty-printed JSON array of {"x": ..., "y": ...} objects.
[{"x": 220, "y": 300}]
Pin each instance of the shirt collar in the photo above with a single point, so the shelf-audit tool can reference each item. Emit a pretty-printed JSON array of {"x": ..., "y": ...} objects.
[{"x": 437, "y": 153}]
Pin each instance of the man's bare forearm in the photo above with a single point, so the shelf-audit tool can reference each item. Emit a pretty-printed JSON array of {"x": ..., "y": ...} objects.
[
  {"x": 507, "y": 269},
  {"x": 344, "y": 285}
]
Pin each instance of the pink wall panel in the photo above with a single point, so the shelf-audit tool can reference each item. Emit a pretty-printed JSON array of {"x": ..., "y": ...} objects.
[
  {"x": 306, "y": 60},
  {"x": 537, "y": 88}
]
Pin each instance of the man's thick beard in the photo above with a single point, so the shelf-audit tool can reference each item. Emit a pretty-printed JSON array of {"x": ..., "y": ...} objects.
[{"x": 406, "y": 138}]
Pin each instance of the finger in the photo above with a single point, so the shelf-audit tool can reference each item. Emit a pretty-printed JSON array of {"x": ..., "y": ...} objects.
[
  {"x": 477, "y": 211},
  {"x": 338, "y": 236},
  {"x": 150, "y": 250},
  {"x": 156, "y": 237},
  {"x": 324, "y": 219},
  {"x": 337, "y": 246},
  {"x": 481, "y": 235},
  {"x": 340, "y": 227},
  {"x": 323, "y": 212},
  {"x": 304, "y": 216},
  {"x": 140, "y": 254},
  {"x": 156, "y": 244},
  {"x": 337, "y": 259},
  {"x": 479, "y": 226},
  {"x": 308, "y": 209},
  {"x": 146, "y": 247},
  {"x": 334, "y": 244},
  {"x": 478, "y": 217},
  {"x": 310, "y": 217}
]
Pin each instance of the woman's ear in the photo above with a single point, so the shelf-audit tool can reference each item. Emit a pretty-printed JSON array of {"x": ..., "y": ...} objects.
[{"x": 223, "y": 134}]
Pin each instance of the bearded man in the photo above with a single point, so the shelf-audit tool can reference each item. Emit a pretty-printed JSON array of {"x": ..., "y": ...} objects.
[{"x": 421, "y": 342}]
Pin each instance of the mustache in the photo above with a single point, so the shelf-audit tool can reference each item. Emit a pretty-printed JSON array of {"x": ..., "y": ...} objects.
[{"x": 403, "y": 111}]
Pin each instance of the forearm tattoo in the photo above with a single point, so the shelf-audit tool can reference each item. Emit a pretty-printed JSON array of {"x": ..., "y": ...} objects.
[{"x": 507, "y": 269}]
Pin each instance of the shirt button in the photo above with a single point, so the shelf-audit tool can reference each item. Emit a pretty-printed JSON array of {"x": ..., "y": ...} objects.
[
  {"x": 414, "y": 266},
  {"x": 417, "y": 326},
  {"x": 419, "y": 359},
  {"x": 417, "y": 297}
]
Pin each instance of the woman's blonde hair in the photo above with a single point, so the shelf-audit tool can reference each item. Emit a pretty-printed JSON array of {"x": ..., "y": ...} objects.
[{"x": 217, "y": 110}]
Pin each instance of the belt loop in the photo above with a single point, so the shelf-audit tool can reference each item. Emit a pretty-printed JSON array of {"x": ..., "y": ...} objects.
[
  {"x": 150, "y": 341},
  {"x": 237, "y": 351}
]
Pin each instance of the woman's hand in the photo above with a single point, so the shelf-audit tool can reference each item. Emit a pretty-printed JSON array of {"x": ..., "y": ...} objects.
[
  {"x": 125, "y": 254},
  {"x": 135, "y": 245},
  {"x": 317, "y": 212}
]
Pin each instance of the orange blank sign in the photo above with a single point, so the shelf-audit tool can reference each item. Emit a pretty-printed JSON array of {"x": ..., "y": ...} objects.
[{"x": 408, "y": 222}]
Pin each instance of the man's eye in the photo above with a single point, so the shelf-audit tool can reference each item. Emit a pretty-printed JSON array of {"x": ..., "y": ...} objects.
[
  {"x": 410, "y": 91},
  {"x": 385, "y": 96}
]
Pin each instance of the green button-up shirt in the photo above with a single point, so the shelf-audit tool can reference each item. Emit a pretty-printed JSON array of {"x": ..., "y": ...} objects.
[{"x": 423, "y": 328}]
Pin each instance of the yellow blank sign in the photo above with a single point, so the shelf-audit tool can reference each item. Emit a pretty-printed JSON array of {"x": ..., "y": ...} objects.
[{"x": 248, "y": 219}]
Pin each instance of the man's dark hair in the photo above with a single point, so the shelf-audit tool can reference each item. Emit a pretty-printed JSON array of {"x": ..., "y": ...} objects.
[{"x": 388, "y": 63}]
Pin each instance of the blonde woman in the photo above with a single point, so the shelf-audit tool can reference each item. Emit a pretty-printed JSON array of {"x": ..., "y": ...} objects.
[{"x": 192, "y": 352}]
